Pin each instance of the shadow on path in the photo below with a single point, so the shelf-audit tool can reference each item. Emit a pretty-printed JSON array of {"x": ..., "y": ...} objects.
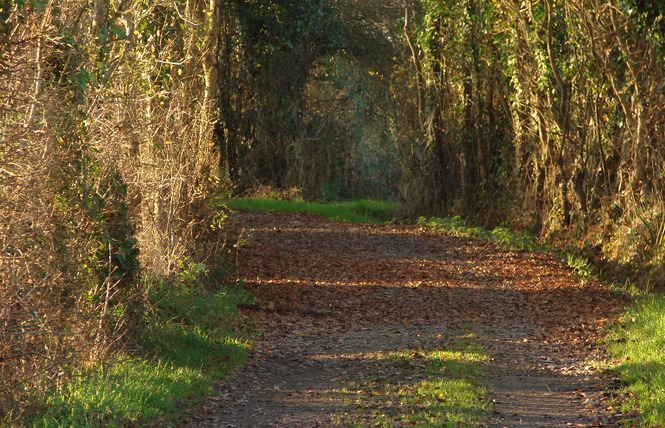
[{"x": 332, "y": 295}]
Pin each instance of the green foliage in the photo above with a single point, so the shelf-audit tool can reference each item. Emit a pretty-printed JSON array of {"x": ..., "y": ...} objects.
[
  {"x": 365, "y": 211},
  {"x": 116, "y": 256},
  {"x": 506, "y": 238},
  {"x": 581, "y": 266},
  {"x": 455, "y": 226},
  {"x": 280, "y": 41},
  {"x": 638, "y": 343},
  {"x": 463, "y": 88},
  {"x": 191, "y": 341},
  {"x": 648, "y": 15},
  {"x": 192, "y": 326},
  {"x": 515, "y": 240},
  {"x": 274, "y": 27},
  {"x": 189, "y": 274},
  {"x": 128, "y": 391}
]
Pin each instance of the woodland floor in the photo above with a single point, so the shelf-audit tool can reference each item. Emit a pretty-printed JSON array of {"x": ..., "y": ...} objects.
[{"x": 332, "y": 296}]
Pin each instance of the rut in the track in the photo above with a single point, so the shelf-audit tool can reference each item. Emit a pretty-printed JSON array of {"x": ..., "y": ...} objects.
[{"x": 332, "y": 296}]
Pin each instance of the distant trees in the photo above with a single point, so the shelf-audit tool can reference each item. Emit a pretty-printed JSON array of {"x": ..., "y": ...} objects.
[
  {"x": 298, "y": 101},
  {"x": 268, "y": 52}
]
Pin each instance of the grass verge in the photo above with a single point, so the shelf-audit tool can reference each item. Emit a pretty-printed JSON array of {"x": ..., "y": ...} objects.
[
  {"x": 506, "y": 238},
  {"x": 190, "y": 342},
  {"x": 510, "y": 240},
  {"x": 639, "y": 344},
  {"x": 416, "y": 387},
  {"x": 362, "y": 211}
]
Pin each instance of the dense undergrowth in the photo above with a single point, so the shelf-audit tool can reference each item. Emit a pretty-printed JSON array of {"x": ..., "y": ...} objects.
[{"x": 192, "y": 338}]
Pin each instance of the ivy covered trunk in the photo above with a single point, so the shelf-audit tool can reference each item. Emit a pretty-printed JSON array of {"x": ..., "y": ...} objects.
[{"x": 547, "y": 115}]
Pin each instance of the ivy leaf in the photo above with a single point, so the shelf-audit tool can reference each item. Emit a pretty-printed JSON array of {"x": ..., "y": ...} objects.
[
  {"x": 118, "y": 31},
  {"x": 81, "y": 78},
  {"x": 38, "y": 5}
]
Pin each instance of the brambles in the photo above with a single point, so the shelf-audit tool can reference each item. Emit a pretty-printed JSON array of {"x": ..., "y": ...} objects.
[{"x": 106, "y": 174}]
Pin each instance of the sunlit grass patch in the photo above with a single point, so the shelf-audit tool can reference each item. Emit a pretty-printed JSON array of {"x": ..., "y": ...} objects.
[
  {"x": 639, "y": 343},
  {"x": 130, "y": 390},
  {"x": 421, "y": 388},
  {"x": 190, "y": 342},
  {"x": 504, "y": 237},
  {"x": 360, "y": 211},
  {"x": 455, "y": 226}
]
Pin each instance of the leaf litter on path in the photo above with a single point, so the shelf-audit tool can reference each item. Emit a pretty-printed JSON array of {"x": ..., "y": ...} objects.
[{"x": 332, "y": 297}]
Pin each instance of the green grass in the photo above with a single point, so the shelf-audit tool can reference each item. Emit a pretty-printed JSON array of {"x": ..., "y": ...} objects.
[
  {"x": 425, "y": 388},
  {"x": 363, "y": 211},
  {"x": 510, "y": 240},
  {"x": 129, "y": 390},
  {"x": 504, "y": 237},
  {"x": 639, "y": 343},
  {"x": 190, "y": 343}
]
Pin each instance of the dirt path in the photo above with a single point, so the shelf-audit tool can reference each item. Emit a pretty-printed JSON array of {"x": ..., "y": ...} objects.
[{"x": 334, "y": 296}]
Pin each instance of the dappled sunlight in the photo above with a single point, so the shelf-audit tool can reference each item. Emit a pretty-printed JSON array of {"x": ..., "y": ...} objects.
[
  {"x": 396, "y": 324},
  {"x": 412, "y": 271}
]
